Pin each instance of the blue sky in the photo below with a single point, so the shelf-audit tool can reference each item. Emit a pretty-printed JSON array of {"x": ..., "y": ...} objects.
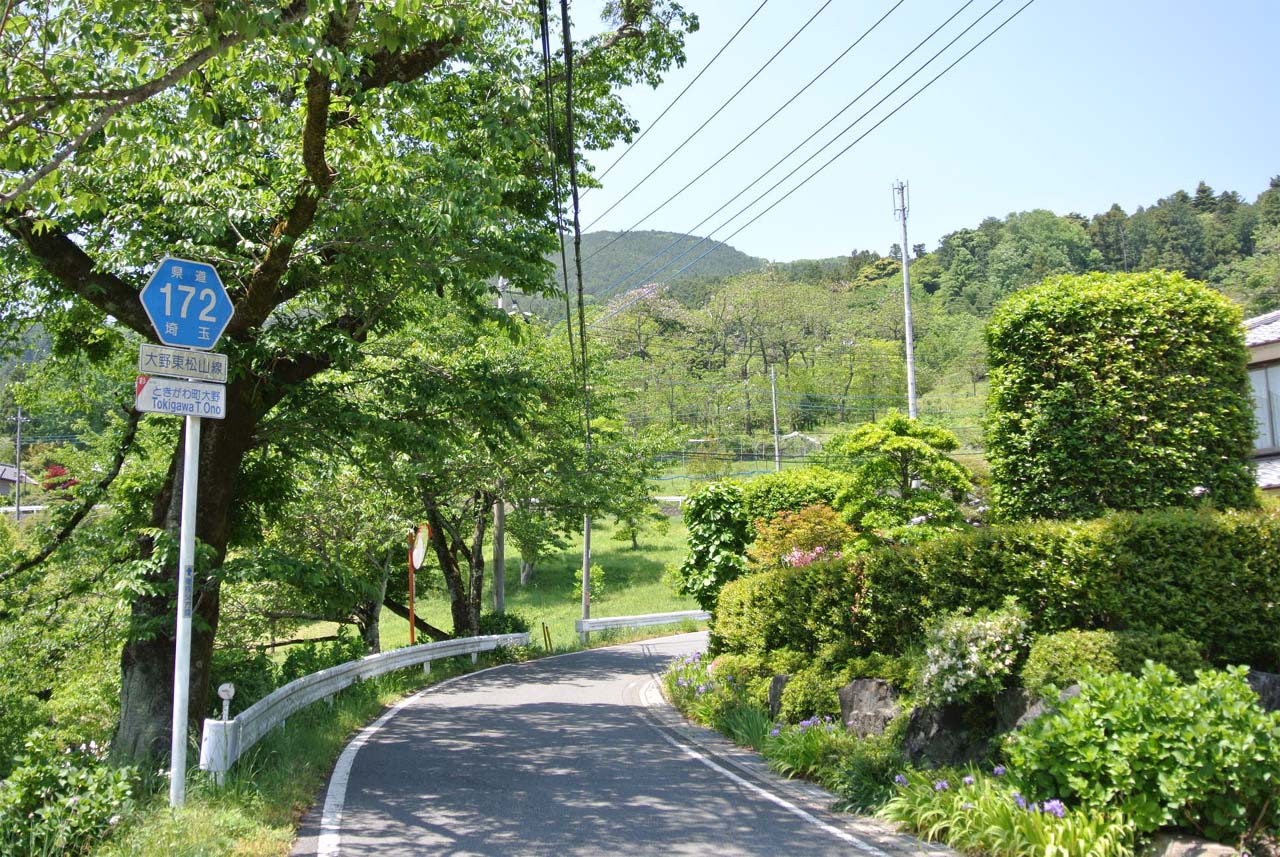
[{"x": 1074, "y": 105}]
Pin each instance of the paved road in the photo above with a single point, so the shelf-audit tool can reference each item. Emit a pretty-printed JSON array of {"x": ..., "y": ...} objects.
[{"x": 575, "y": 755}]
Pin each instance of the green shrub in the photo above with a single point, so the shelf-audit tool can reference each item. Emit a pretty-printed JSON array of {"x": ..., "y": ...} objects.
[
  {"x": 798, "y": 538},
  {"x": 1208, "y": 576},
  {"x": 810, "y": 692},
  {"x": 20, "y": 713},
  {"x": 798, "y": 608},
  {"x": 752, "y": 672},
  {"x": 1178, "y": 653},
  {"x": 597, "y": 583},
  {"x": 509, "y": 622},
  {"x": 253, "y": 673},
  {"x": 863, "y": 774},
  {"x": 307, "y": 658},
  {"x": 718, "y": 538},
  {"x": 1203, "y": 756},
  {"x": 62, "y": 803},
  {"x": 1062, "y": 658},
  {"x": 811, "y": 748},
  {"x": 789, "y": 490},
  {"x": 1117, "y": 391},
  {"x": 895, "y": 669},
  {"x": 970, "y": 656}
]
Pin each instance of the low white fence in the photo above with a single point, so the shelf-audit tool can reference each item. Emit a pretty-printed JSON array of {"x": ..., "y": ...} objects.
[
  {"x": 225, "y": 741},
  {"x": 586, "y": 626}
]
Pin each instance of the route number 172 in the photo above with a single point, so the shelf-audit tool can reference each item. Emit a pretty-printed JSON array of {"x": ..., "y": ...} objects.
[{"x": 207, "y": 296}]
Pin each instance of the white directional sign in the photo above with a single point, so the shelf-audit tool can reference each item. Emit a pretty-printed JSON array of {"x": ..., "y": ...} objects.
[
  {"x": 182, "y": 398},
  {"x": 182, "y": 363},
  {"x": 187, "y": 303}
]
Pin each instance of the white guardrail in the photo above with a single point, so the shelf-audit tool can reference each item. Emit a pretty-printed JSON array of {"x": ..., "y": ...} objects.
[
  {"x": 225, "y": 741},
  {"x": 586, "y": 626}
]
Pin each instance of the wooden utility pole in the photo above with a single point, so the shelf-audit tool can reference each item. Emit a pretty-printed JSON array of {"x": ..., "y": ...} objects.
[
  {"x": 777, "y": 448},
  {"x": 901, "y": 195}
]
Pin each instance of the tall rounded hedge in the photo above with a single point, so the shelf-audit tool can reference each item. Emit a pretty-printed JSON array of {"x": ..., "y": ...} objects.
[{"x": 1117, "y": 391}]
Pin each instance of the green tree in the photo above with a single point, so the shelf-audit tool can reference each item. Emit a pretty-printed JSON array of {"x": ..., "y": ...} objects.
[
  {"x": 1115, "y": 391},
  {"x": 349, "y": 168},
  {"x": 903, "y": 486}
]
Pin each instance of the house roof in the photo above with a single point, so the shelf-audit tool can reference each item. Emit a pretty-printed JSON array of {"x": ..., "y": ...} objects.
[
  {"x": 1268, "y": 472},
  {"x": 1262, "y": 329},
  {"x": 9, "y": 473}
]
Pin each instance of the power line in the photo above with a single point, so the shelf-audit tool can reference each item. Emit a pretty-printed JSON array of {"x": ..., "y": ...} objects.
[
  {"x": 753, "y": 131},
  {"x": 802, "y": 143},
  {"x": 687, "y": 86},
  {"x": 707, "y": 121},
  {"x": 843, "y": 151}
]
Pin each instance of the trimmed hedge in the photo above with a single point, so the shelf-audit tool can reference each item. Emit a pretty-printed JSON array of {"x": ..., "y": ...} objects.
[
  {"x": 1064, "y": 658},
  {"x": 1211, "y": 577}
]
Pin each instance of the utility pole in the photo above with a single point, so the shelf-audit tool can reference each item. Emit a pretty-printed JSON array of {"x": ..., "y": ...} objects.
[
  {"x": 17, "y": 464},
  {"x": 500, "y": 514},
  {"x": 902, "y": 195},
  {"x": 773, "y": 390}
]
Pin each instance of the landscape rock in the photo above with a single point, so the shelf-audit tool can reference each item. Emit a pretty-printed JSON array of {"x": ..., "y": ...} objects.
[
  {"x": 1185, "y": 845},
  {"x": 947, "y": 735},
  {"x": 775, "y": 694},
  {"x": 867, "y": 705},
  {"x": 1017, "y": 707},
  {"x": 1267, "y": 686}
]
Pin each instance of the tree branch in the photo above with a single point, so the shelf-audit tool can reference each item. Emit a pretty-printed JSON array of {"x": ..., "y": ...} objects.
[
  {"x": 86, "y": 505},
  {"x": 403, "y": 612},
  {"x": 74, "y": 269},
  {"x": 132, "y": 96}
]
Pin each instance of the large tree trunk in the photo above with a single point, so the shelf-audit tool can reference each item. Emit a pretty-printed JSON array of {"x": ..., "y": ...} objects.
[{"x": 147, "y": 660}]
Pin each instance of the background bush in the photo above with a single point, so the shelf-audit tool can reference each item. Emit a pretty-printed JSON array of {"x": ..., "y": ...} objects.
[
  {"x": 789, "y": 490},
  {"x": 718, "y": 539},
  {"x": 811, "y": 692},
  {"x": 1063, "y": 658},
  {"x": 1117, "y": 391}
]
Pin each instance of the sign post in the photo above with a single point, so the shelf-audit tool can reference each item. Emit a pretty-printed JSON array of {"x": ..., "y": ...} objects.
[
  {"x": 417, "y": 553},
  {"x": 189, "y": 309}
]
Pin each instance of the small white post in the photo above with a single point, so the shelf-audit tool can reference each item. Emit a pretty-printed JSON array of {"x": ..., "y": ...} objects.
[
  {"x": 182, "y": 646},
  {"x": 227, "y": 692}
]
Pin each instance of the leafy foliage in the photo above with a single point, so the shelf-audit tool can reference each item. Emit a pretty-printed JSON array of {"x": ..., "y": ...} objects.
[
  {"x": 790, "y": 536},
  {"x": 1201, "y": 574},
  {"x": 790, "y": 490},
  {"x": 1204, "y": 755},
  {"x": 718, "y": 538},
  {"x": 903, "y": 487},
  {"x": 62, "y": 803},
  {"x": 1117, "y": 392}
]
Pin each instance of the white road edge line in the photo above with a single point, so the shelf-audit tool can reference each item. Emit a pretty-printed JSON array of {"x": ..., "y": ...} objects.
[
  {"x": 329, "y": 842},
  {"x": 844, "y": 836}
]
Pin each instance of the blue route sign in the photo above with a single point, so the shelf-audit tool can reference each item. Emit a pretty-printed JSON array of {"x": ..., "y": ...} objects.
[{"x": 187, "y": 303}]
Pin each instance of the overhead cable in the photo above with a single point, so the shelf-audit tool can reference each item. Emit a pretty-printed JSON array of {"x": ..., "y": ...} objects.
[
  {"x": 687, "y": 86},
  {"x": 612, "y": 286},
  {"x": 755, "y": 130},
  {"x": 717, "y": 112}
]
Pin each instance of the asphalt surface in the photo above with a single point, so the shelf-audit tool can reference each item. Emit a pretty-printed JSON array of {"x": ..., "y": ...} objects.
[{"x": 574, "y": 755}]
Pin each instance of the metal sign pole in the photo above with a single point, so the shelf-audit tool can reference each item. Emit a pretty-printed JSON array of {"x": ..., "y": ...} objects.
[{"x": 186, "y": 575}]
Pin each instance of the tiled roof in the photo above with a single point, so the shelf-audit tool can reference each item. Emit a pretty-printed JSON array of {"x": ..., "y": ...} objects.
[
  {"x": 8, "y": 473},
  {"x": 1262, "y": 329},
  {"x": 1269, "y": 472}
]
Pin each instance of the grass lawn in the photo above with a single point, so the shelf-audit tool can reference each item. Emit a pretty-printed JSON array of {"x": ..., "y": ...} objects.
[{"x": 633, "y": 584}]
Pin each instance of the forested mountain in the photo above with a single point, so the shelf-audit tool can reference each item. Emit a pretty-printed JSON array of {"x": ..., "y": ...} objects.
[
  {"x": 699, "y": 359},
  {"x": 614, "y": 263}
]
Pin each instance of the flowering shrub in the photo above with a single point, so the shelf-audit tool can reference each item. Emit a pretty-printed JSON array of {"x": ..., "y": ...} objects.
[
  {"x": 985, "y": 813},
  {"x": 967, "y": 656},
  {"x": 62, "y": 803},
  {"x": 800, "y": 538}
]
